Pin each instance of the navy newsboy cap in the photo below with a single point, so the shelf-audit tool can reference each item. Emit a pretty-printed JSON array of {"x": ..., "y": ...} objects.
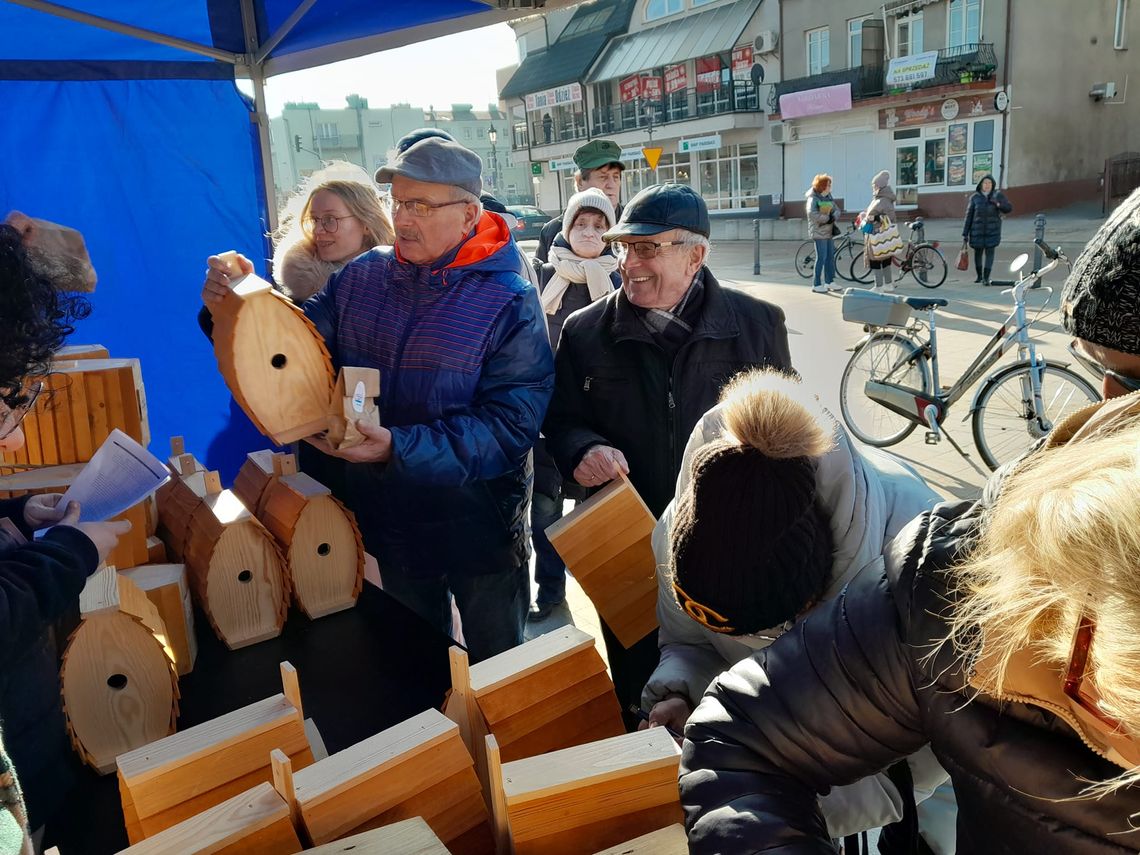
[{"x": 660, "y": 208}]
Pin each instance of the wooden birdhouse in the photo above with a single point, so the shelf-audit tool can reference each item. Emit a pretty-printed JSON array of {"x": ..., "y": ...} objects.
[
  {"x": 273, "y": 360},
  {"x": 168, "y": 589},
  {"x": 119, "y": 685},
  {"x": 353, "y": 399},
  {"x": 606, "y": 543},
  {"x": 324, "y": 553},
  {"x": 551, "y": 692},
  {"x": 409, "y": 837},
  {"x": 670, "y": 840}
]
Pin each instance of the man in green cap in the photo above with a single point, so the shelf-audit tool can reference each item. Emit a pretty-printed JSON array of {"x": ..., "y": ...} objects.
[{"x": 597, "y": 164}]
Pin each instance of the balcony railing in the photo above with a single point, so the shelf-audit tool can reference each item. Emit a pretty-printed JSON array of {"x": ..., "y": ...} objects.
[
  {"x": 734, "y": 97},
  {"x": 963, "y": 64},
  {"x": 339, "y": 141}
]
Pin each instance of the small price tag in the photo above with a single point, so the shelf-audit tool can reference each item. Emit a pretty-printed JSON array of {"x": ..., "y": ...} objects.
[{"x": 358, "y": 397}]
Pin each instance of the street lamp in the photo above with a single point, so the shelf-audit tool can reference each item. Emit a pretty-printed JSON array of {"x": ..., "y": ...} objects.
[{"x": 493, "y": 136}]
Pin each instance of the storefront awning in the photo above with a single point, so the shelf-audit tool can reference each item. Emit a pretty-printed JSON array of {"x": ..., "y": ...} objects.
[
  {"x": 568, "y": 59},
  {"x": 688, "y": 37}
]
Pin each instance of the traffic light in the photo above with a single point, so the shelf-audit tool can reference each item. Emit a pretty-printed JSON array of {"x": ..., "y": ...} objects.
[{"x": 297, "y": 142}]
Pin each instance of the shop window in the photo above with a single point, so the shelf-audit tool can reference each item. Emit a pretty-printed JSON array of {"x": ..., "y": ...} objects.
[
  {"x": 656, "y": 9},
  {"x": 908, "y": 35},
  {"x": 1119, "y": 35},
  {"x": 984, "y": 135},
  {"x": 855, "y": 41},
  {"x": 934, "y": 162},
  {"x": 965, "y": 22},
  {"x": 729, "y": 176},
  {"x": 818, "y": 50},
  {"x": 906, "y": 165}
]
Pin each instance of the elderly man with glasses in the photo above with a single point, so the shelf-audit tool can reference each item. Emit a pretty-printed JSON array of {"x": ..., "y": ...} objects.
[
  {"x": 636, "y": 370},
  {"x": 441, "y": 490}
]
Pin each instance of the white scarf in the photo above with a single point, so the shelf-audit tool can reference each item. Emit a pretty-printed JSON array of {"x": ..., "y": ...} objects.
[{"x": 570, "y": 268}]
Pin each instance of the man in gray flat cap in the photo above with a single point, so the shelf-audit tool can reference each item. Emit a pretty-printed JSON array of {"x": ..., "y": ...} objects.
[{"x": 441, "y": 490}]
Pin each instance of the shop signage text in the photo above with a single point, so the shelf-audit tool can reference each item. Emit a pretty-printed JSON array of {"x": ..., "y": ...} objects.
[
  {"x": 699, "y": 144},
  {"x": 568, "y": 94},
  {"x": 812, "y": 102},
  {"x": 561, "y": 164},
  {"x": 741, "y": 62},
  {"x": 968, "y": 106},
  {"x": 676, "y": 78},
  {"x": 905, "y": 70}
]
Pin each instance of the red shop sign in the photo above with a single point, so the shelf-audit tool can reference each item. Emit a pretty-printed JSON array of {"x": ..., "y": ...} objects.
[
  {"x": 651, "y": 88},
  {"x": 708, "y": 73},
  {"x": 741, "y": 61},
  {"x": 676, "y": 78},
  {"x": 630, "y": 88}
]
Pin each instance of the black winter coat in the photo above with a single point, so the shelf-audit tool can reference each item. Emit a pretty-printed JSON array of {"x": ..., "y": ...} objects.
[
  {"x": 613, "y": 385},
  {"x": 982, "y": 226},
  {"x": 39, "y": 582},
  {"x": 862, "y": 689}
]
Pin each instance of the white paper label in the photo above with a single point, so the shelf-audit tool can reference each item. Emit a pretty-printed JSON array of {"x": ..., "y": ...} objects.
[{"x": 358, "y": 397}]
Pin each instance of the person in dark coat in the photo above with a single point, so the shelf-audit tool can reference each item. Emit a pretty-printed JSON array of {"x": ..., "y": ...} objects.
[
  {"x": 982, "y": 226},
  {"x": 581, "y": 271},
  {"x": 40, "y": 579},
  {"x": 597, "y": 164},
  {"x": 635, "y": 371}
]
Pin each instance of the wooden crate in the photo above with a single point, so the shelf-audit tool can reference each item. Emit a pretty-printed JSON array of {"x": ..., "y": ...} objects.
[
  {"x": 82, "y": 402},
  {"x": 173, "y": 779},
  {"x": 410, "y": 837},
  {"x": 420, "y": 767},
  {"x": 81, "y": 351},
  {"x": 119, "y": 686},
  {"x": 606, "y": 543},
  {"x": 274, "y": 361},
  {"x": 255, "y": 821},
  {"x": 324, "y": 552},
  {"x": 133, "y": 547},
  {"x": 551, "y": 692},
  {"x": 670, "y": 840},
  {"x": 585, "y": 798},
  {"x": 166, "y": 586}
]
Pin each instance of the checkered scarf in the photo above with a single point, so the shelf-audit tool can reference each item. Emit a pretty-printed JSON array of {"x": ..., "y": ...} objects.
[{"x": 670, "y": 328}]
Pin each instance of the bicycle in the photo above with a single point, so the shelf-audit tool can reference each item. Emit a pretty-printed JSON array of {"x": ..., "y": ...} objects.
[
  {"x": 923, "y": 259},
  {"x": 891, "y": 383},
  {"x": 845, "y": 249}
]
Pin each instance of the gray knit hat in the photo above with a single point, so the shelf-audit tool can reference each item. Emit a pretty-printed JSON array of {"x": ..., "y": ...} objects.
[
  {"x": 1101, "y": 300},
  {"x": 589, "y": 199}
]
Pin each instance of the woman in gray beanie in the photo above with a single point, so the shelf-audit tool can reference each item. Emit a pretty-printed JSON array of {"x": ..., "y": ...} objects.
[{"x": 882, "y": 205}]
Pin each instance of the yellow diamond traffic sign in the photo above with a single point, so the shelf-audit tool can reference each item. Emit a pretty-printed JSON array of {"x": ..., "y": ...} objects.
[{"x": 652, "y": 155}]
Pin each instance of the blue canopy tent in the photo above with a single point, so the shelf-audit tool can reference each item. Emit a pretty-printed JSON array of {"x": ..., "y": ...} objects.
[{"x": 122, "y": 119}]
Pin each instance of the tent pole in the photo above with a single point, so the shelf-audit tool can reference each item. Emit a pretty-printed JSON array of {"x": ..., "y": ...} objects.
[
  {"x": 127, "y": 29},
  {"x": 261, "y": 115},
  {"x": 282, "y": 31}
]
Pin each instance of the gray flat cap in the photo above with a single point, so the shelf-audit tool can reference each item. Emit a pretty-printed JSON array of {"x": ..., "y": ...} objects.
[{"x": 436, "y": 161}]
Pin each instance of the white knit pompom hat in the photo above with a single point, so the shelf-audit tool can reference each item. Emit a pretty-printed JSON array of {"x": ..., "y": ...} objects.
[{"x": 592, "y": 199}]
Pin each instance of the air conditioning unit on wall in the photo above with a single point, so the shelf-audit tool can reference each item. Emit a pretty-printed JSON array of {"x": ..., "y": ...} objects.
[
  {"x": 781, "y": 132},
  {"x": 765, "y": 41}
]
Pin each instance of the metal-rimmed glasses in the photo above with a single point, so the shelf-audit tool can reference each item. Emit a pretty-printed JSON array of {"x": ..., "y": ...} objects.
[
  {"x": 1098, "y": 371},
  {"x": 328, "y": 222},
  {"x": 418, "y": 208},
  {"x": 12, "y": 417},
  {"x": 643, "y": 249}
]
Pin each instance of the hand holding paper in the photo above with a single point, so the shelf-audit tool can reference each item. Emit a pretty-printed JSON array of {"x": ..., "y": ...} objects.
[{"x": 120, "y": 475}]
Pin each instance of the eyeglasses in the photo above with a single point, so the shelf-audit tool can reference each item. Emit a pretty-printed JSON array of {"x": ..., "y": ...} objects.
[
  {"x": 12, "y": 418},
  {"x": 1098, "y": 371},
  {"x": 644, "y": 249},
  {"x": 1077, "y": 685},
  {"x": 421, "y": 209},
  {"x": 328, "y": 222}
]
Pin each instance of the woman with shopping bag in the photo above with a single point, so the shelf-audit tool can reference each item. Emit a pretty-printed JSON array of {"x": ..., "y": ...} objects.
[{"x": 881, "y": 236}]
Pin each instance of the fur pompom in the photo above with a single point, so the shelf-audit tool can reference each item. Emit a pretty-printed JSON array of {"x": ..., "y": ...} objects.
[
  {"x": 773, "y": 413},
  {"x": 300, "y": 274}
]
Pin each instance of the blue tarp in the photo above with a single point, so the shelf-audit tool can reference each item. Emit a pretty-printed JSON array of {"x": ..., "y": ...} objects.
[{"x": 150, "y": 151}]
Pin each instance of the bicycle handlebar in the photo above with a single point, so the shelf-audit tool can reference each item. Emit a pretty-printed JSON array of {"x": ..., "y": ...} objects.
[{"x": 1050, "y": 253}]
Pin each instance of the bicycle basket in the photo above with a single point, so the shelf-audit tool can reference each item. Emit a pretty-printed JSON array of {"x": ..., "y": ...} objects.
[{"x": 878, "y": 310}]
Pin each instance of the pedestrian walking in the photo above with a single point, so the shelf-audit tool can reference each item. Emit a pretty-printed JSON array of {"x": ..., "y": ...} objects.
[
  {"x": 982, "y": 226},
  {"x": 822, "y": 214}
]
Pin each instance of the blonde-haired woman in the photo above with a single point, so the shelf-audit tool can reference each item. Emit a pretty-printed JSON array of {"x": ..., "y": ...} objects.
[
  {"x": 822, "y": 215},
  {"x": 341, "y": 217},
  {"x": 1003, "y": 633}
]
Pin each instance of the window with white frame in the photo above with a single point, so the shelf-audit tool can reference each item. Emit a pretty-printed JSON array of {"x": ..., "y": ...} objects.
[
  {"x": 1119, "y": 35},
  {"x": 818, "y": 50},
  {"x": 965, "y": 24},
  {"x": 855, "y": 41},
  {"x": 908, "y": 35},
  {"x": 655, "y": 9},
  {"x": 327, "y": 131}
]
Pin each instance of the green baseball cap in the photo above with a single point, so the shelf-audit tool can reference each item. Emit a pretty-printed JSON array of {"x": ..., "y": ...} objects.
[{"x": 597, "y": 153}]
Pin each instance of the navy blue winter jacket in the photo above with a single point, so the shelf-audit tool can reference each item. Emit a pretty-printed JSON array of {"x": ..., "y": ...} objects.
[
  {"x": 982, "y": 227},
  {"x": 466, "y": 373}
]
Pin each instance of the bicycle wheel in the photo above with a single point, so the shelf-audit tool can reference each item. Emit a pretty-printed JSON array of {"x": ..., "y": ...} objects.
[
  {"x": 859, "y": 272},
  {"x": 884, "y": 357},
  {"x": 805, "y": 259},
  {"x": 844, "y": 255},
  {"x": 928, "y": 266},
  {"x": 1004, "y": 423}
]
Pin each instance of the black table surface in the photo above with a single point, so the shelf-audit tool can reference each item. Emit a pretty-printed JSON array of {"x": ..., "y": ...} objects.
[{"x": 361, "y": 671}]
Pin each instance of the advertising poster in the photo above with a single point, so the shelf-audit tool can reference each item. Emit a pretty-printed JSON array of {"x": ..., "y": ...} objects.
[
  {"x": 651, "y": 88},
  {"x": 956, "y": 170},
  {"x": 708, "y": 73},
  {"x": 956, "y": 134},
  {"x": 983, "y": 165},
  {"x": 630, "y": 88},
  {"x": 676, "y": 78}
]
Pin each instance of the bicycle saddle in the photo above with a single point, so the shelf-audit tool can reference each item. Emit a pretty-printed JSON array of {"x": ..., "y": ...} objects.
[{"x": 925, "y": 302}]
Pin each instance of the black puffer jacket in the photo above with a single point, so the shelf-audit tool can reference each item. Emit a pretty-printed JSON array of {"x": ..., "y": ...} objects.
[
  {"x": 855, "y": 687},
  {"x": 613, "y": 385},
  {"x": 982, "y": 227}
]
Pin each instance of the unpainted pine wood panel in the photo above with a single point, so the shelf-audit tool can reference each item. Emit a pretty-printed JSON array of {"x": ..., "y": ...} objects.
[
  {"x": 592, "y": 721},
  {"x": 537, "y": 687},
  {"x": 595, "y": 558},
  {"x": 540, "y": 777},
  {"x": 615, "y": 491},
  {"x": 167, "y": 587},
  {"x": 44, "y": 424},
  {"x": 245, "y": 586},
  {"x": 408, "y": 837},
  {"x": 325, "y": 559},
  {"x": 626, "y": 596},
  {"x": 117, "y": 686},
  {"x": 538, "y": 729},
  {"x": 586, "y": 837},
  {"x": 64, "y": 428},
  {"x": 518, "y": 662},
  {"x": 235, "y": 823},
  {"x": 670, "y": 840},
  {"x": 97, "y": 415},
  {"x": 81, "y": 351},
  {"x": 253, "y": 477},
  {"x": 80, "y": 422},
  {"x": 131, "y": 550},
  {"x": 55, "y": 479},
  {"x": 587, "y": 544}
]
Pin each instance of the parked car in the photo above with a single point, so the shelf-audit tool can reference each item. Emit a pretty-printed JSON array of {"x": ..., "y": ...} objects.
[{"x": 530, "y": 221}]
